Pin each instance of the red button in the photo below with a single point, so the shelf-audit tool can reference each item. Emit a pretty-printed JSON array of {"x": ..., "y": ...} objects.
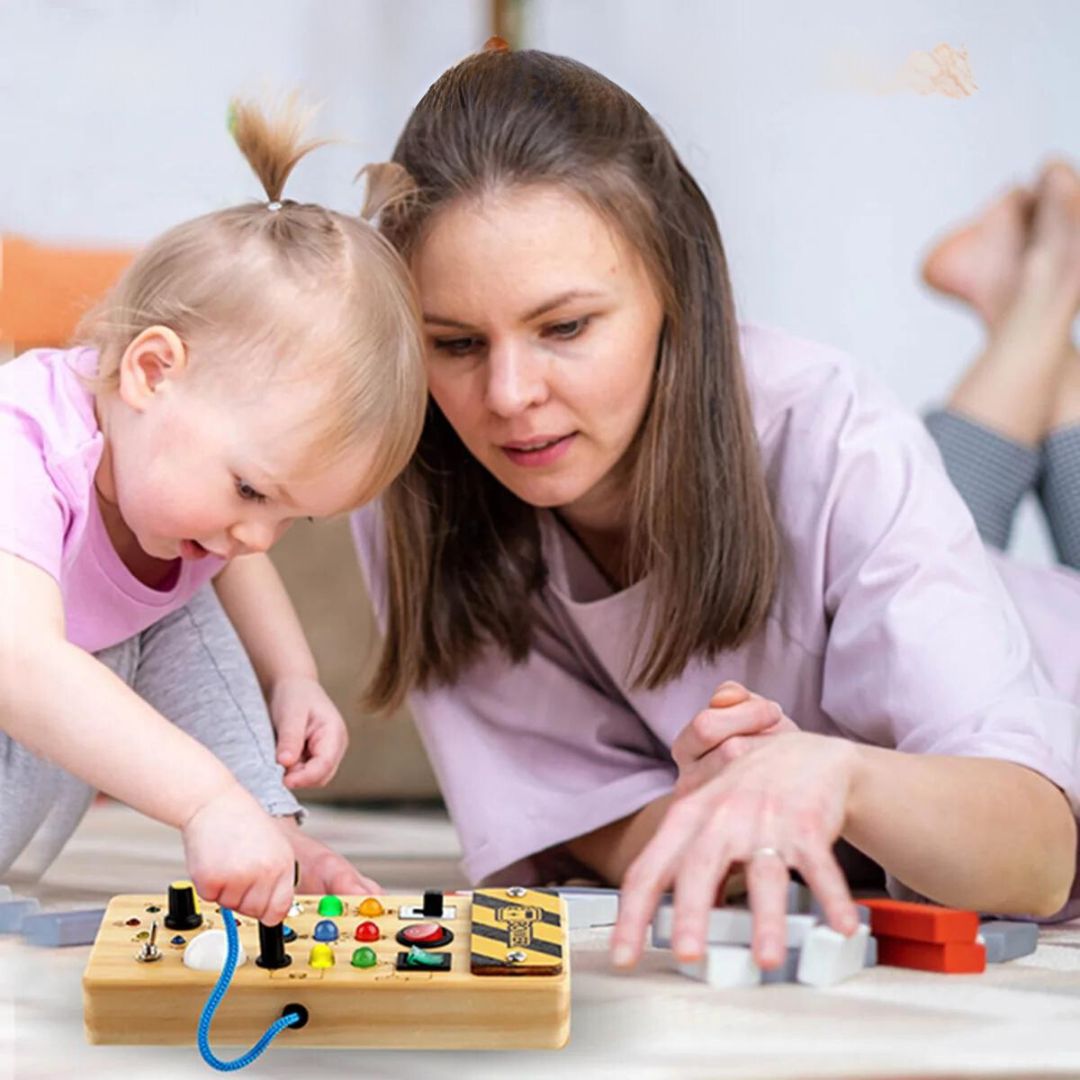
[
  {"x": 367, "y": 931},
  {"x": 422, "y": 933}
]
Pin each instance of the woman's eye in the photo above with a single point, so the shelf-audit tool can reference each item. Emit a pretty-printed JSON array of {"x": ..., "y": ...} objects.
[
  {"x": 246, "y": 491},
  {"x": 460, "y": 346},
  {"x": 571, "y": 328}
]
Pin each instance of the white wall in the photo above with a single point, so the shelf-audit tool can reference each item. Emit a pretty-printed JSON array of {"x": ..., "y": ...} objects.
[
  {"x": 827, "y": 194},
  {"x": 112, "y": 127},
  {"x": 112, "y": 112}
]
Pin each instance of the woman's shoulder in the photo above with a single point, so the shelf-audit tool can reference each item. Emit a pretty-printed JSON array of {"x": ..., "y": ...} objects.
[{"x": 806, "y": 395}]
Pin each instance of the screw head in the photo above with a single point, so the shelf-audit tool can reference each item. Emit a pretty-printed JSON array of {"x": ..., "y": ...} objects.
[
  {"x": 516, "y": 957},
  {"x": 515, "y": 890}
]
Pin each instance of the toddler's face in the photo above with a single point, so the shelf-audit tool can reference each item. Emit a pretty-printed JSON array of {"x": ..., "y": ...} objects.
[{"x": 205, "y": 471}]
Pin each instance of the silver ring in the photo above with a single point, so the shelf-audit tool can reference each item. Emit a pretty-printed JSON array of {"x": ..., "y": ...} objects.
[{"x": 765, "y": 851}]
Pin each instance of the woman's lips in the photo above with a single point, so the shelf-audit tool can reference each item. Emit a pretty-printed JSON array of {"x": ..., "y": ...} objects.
[{"x": 546, "y": 451}]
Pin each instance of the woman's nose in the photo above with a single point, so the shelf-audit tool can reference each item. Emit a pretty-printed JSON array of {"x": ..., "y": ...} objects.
[{"x": 516, "y": 379}]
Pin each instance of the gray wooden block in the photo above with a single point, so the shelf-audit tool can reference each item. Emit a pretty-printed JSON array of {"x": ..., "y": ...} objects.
[
  {"x": 13, "y": 912},
  {"x": 786, "y": 972},
  {"x": 56, "y": 928},
  {"x": 870, "y": 960},
  {"x": 728, "y": 926},
  {"x": 1008, "y": 940}
]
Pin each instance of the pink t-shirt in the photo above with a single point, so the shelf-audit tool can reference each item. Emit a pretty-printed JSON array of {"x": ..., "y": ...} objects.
[
  {"x": 892, "y": 625},
  {"x": 50, "y": 446}
]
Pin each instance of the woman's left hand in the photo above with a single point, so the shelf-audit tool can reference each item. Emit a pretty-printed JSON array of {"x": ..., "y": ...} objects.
[
  {"x": 311, "y": 734},
  {"x": 781, "y": 804}
]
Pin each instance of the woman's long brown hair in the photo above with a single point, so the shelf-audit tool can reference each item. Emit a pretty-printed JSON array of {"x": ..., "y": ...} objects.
[{"x": 464, "y": 558}]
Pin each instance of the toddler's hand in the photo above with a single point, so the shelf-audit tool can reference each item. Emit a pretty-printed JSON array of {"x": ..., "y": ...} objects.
[
  {"x": 324, "y": 871},
  {"x": 311, "y": 735},
  {"x": 237, "y": 857},
  {"x": 735, "y": 721}
]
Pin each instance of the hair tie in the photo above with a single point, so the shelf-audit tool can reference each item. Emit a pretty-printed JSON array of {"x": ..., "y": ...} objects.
[
  {"x": 274, "y": 205},
  {"x": 496, "y": 44}
]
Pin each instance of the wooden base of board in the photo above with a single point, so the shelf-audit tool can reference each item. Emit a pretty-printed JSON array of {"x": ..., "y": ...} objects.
[{"x": 159, "y": 1002}]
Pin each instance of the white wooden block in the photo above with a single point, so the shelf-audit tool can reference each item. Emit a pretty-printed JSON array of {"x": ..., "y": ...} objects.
[
  {"x": 828, "y": 957},
  {"x": 729, "y": 926},
  {"x": 724, "y": 966}
]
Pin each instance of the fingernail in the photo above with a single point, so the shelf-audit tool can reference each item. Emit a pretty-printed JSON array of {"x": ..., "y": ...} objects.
[
  {"x": 621, "y": 955},
  {"x": 687, "y": 946}
]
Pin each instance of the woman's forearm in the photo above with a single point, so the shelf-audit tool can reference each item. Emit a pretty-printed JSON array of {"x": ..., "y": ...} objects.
[
  {"x": 1005, "y": 835},
  {"x": 610, "y": 849}
]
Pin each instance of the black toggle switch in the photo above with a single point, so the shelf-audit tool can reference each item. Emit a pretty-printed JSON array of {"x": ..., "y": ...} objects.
[
  {"x": 183, "y": 909},
  {"x": 272, "y": 952},
  {"x": 433, "y": 904}
]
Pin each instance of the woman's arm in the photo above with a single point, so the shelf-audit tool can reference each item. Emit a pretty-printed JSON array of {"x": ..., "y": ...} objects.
[
  {"x": 1011, "y": 830},
  {"x": 610, "y": 849}
]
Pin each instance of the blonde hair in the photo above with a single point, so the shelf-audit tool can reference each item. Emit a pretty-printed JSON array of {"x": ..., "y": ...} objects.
[{"x": 284, "y": 289}]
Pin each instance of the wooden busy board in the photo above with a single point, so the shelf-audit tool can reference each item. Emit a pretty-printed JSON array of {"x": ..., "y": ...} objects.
[{"x": 483, "y": 1000}]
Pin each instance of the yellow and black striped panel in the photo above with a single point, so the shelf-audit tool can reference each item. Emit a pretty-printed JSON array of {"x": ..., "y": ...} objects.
[{"x": 517, "y": 932}]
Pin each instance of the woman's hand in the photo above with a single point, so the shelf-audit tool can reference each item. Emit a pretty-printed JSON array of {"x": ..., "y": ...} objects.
[
  {"x": 781, "y": 804},
  {"x": 311, "y": 734},
  {"x": 733, "y": 724}
]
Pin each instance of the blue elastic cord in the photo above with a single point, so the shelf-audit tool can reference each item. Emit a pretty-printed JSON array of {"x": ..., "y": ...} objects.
[{"x": 214, "y": 1000}]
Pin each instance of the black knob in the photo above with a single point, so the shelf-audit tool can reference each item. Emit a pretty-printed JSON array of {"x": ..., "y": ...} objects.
[
  {"x": 433, "y": 904},
  {"x": 272, "y": 952},
  {"x": 183, "y": 907}
]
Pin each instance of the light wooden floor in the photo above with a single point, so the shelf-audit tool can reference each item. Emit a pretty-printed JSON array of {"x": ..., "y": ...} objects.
[{"x": 1019, "y": 1019}]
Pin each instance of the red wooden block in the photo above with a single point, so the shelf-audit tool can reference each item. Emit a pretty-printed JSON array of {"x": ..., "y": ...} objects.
[
  {"x": 921, "y": 922},
  {"x": 950, "y": 957}
]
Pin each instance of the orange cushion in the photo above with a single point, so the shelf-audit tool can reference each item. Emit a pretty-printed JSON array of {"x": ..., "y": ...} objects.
[{"x": 45, "y": 290}]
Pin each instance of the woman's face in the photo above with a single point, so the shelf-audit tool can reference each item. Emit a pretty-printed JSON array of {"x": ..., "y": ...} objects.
[{"x": 542, "y": 327}]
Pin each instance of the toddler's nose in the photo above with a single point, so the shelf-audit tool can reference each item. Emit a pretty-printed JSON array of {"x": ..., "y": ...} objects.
[{"x": 253, "y": 536}]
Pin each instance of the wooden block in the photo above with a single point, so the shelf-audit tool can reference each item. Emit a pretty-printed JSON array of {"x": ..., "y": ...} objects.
[
  {"x": 1008, "y": 940},
  {"x": 724, "y": 966},
  {"x": 591, "y": 907},
  {"x": 921, "y": 922},
  {"x": 786, "y": 972},
  {"x": 369, "y": 1005},
  {"x": 827, "y": 957},
  {"x": 56, "y": 928},
  {"x": 728, "y": 926},
  {"x": 948, "y": 957}
]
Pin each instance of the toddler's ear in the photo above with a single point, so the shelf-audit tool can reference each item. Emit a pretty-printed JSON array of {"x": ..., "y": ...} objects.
[{"x": 154, "y": 357}]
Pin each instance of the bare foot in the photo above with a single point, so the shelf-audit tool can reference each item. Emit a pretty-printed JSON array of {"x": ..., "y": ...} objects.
[
  {"x": 1053, "y": 256},
  {"x": 979, "y": 263}
]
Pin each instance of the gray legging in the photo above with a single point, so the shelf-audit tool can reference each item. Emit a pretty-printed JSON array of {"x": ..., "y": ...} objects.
[
  {"x": 192, "y": 668},
  {"x": 994, "y": 473}
]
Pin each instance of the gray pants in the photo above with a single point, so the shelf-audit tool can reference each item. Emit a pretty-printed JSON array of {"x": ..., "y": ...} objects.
[
  {"x": 994, "y": 473},
  {"x": 193, "y": 669}
]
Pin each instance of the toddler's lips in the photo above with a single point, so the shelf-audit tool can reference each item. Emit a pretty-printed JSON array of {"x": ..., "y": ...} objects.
[{"x": 192, "y": 549}]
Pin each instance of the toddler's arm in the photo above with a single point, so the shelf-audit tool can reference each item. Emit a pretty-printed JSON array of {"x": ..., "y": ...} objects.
[
  {"x": 311, "y": 734},
  {"x": 64, "y": 705}
]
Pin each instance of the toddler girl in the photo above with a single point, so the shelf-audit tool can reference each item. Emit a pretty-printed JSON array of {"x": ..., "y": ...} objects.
[{"x": 255, "y": 365}]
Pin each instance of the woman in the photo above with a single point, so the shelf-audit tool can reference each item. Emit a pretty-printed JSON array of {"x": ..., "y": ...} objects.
[{"x": 625, "y": 508}]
